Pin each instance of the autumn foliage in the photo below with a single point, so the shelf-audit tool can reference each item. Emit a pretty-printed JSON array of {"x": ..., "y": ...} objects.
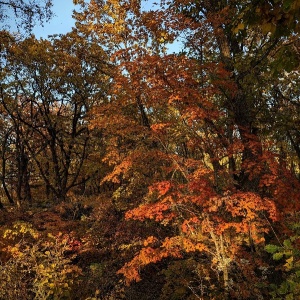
[{"x": 153, "y": 153}]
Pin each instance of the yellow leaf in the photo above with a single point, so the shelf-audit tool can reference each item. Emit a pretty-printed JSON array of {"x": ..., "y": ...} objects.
[
  {"x": 289, "y": 263},
  {"x": 268, "y": 27},
  {"x": 241, "y": 26}
]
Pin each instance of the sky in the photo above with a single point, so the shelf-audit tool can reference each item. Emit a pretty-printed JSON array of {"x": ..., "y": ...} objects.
[{"x": 62, "y": 21}]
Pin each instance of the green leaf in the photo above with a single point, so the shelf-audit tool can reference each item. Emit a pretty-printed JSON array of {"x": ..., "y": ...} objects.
[
  {"x": 287, "y": 5},
  {"x": 297, "y": 274},
  {"x": 284, "y": 287},
  {"x": 289, "y": 297},
  {"x": 271, "y": 248},
  {"x": 287, "y": 243},
  {"x": 277, "y": 256}
]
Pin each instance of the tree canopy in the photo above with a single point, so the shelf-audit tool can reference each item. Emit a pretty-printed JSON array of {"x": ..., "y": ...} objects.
[
  {"x": 149, "y": 174},
  {"x": 25, "y": 13}
]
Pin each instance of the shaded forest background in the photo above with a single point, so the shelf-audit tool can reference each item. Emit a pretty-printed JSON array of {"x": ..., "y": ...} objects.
[{"x": 128, "y": 172}]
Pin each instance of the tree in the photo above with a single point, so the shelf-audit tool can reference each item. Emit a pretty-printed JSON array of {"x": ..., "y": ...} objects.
[
  {"x": 198, "y": 149},
  {"x": 26, "y": 14},
  {"x": 206, "y": 113},
  {"x": 49, "y": 93}
]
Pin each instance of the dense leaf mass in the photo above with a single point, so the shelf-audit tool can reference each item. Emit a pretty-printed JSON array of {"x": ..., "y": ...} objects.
[{"x": 130, "y": 170}]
